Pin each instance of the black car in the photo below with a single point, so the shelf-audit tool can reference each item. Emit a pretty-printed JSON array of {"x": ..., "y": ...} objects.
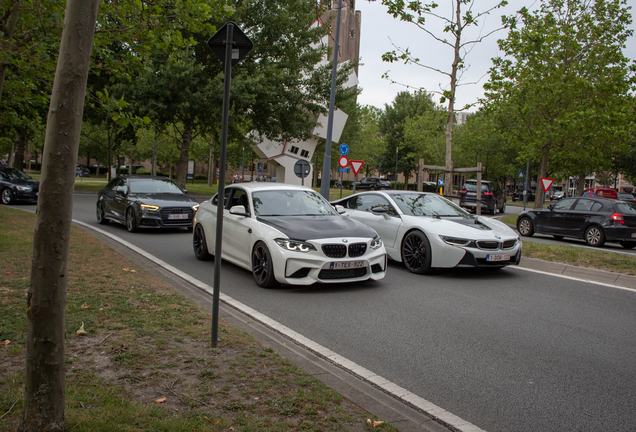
[
  {"x": 82, "y": 171},
  {"x": 594, "y": 220},
  {"x": 493, "y": 197},
  {"x": 17, "y": 186},
  {"x": 145, "y": 202},
  {"x": 518, "y": 195},
  {"x": 371, "y": 183}
]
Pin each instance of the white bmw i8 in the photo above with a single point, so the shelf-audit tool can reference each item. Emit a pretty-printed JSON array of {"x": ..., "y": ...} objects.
[
  {"x": 288, "y": 234},
  {"x": 426, "y": 231}
]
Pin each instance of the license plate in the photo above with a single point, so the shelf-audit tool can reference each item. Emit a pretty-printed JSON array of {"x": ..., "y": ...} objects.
[
  {"x": 497, "y": 257},
  {"x": 178, "y": 216},
  {"x": 341, "y": 265},
  {"x": 471, "y": 193},
  {"x": 633, "y": 234}
]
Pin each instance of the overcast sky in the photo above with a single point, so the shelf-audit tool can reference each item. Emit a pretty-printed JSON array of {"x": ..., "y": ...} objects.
[{"x": 380, "y": 31}]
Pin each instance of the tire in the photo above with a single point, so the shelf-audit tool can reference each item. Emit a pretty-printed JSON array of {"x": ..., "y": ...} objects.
[
  {"x": 200, "y": 245},
  {"x": 372, "y": 188},
  {"x": 131, "y": 220},
  {"x": 525, "y": 227},
  {"x": 262, "y": 266},
  {"x": 494, "y": 210},
  {"x": 101, "y": 219},
  {"x": 416, "y": 252},
  {"x": 7, "y": 196},
  {"x": 594, "y": 236},
  {"x": 503, "y": 208},
  {"x": 628, "y": 244}
]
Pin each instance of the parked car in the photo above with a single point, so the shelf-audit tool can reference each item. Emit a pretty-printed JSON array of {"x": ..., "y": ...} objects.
[
  {"x": 145, "y": 202},
  {"x": 426, "y": 231},
  {"x": 627, "y": 197},
  {"x": 557, "y": 195},
  {"x": 601, "y": 193},
  {"x": 518, "y": 195},
  {"x": 493, "y": 197},
  {"x": 371, "y": 183},
  {"x": 17, "y": 186},
  {"x": 288, "y": 234},
  {"x": 82, "y": 171},
  {"x": 595, "y": 220}
]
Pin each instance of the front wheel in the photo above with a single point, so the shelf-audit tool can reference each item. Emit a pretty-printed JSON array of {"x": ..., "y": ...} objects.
[
  {"x": 594, "y": 236},
  {"x": 7, "y": 196},
  {"x": 101, "y": 219},
  {"x": 525, "y": 228},
  {"x": 131, "y": 220},
  {"x": 262, "y": 266},
  {"x": 200, "y": 245},
  {"x": 416, "y": 252},
  {"x": 503, "y": 208}
]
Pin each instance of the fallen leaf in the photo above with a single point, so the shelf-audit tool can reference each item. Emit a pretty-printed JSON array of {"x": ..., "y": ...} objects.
[
  {"x": 6, "y": 342},
  {"x": 81, "y": 330},
  {"x": 125, "y": 269},
  {"x": 8, "y": 273},
  {"x": 85, "y": 306},
  {"x": 377, "y": 423},
  {"x": 211, "y": 421},
  {"x": 161, "y": 400},
  {"x": 133, "y": 271}
]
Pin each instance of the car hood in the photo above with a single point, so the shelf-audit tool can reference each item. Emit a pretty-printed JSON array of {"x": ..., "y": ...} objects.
[
  {"x": 35, "y": 184},
  {"x": 163, "y": 200},
  {"x": 305, "y": 228},
  {"x": 471, "y": 228}
]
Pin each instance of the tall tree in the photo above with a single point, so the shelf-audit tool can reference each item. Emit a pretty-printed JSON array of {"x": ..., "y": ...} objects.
[
  {"x": 46, "y": 299},
  {"x": 457, "y": 23},
  {"x": 563, "y": 86}
]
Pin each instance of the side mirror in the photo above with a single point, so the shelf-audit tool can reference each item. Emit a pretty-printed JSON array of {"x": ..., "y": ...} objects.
[
  {"x": 551, "y": 207},
  {"x": 340, "y": 209},
  {"x": 379, "y": 210},
  {"x": 185, "y": 191},
  {"x": 239, "y": 210}
]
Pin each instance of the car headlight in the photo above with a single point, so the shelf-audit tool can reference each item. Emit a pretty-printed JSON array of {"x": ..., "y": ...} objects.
[
  {"x": 195, "y": 207},
  {"x": 295, "y": 246},
  {"x": 24, "y": 188},
  {"x": 457, "y": 241},
  {"x": 147, "y": 207},
  {"x": 376, "y": 242}
]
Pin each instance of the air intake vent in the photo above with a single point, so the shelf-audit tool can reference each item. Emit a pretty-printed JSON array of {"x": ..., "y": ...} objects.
[
  {"x": 334, "y": 250},
  {"x": 357, "y": 249}
]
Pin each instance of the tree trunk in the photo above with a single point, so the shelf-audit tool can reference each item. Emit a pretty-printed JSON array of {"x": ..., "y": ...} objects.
[
  {"x": 8, "y": 30},
  {"x": 543, "y": 172},
  {"x": 211, "y": 164},
  {"x": 44, "y": 394},
  {"x": 580, "y": 187},
  {"x": 20, "y": 144},
  {"x": 182, "y": 167}
]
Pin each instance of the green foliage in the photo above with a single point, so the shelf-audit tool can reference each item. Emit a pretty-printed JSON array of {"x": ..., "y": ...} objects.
[{"x": 562, "y": 89}]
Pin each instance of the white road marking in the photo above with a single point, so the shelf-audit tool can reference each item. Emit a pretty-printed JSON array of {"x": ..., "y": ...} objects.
[{"x": 573, "y": 278}]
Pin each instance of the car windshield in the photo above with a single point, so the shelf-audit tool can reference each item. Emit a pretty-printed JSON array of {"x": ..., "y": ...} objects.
[
  {"x": 16, "y": 174},
  {"x": 428, "y": 205},
  {"x": 290, "y": 203},
  {"x": 151, "y": 186}
]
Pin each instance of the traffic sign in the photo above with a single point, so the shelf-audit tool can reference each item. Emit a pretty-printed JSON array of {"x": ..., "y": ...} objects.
[
  {"x": 301, "y": 168},
  {"x": 343, "y": 170},
  {"x": 440, "y": 182},
  {"x": 520, "y": 174},
  {"x": 344, "y": 149},
  {"x": 343, "y": 161},
  {"x": 356, "y": 165},
  {"x": 546, "y": 183}
]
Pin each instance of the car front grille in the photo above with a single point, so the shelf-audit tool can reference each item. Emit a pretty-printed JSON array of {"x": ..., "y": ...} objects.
[
  {"x": 509, "y": 244},
  {"x": 328, "y": 274},
  {"x": 176, "y": 210},
  {"x": 334, "y": 250},
  {"x": 357, "y": 249},
  {"x": 493, "y": 245}
]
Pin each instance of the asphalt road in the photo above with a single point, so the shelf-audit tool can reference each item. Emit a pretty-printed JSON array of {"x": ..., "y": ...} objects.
[{"x": 505, "y": 350}]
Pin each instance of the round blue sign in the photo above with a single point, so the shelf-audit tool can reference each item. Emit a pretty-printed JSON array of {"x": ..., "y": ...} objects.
[
  {"x": 440, "y": 182},
  {"x": 344, "y": 149}
]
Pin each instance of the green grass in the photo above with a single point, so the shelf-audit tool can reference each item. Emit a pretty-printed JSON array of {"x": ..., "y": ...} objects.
[{"x": 146, "y": 342}]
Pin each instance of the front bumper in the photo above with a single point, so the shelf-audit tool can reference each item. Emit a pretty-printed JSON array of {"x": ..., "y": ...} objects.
[
  {"x": 296, "y": 268},
  {"x": 31, "y": 196},
  {"x": 166, "y": 218}
]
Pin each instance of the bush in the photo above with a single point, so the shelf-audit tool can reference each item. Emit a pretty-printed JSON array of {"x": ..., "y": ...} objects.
[
  {"x": 143, "y": 171},
  {"x": 200, "y": 177}
]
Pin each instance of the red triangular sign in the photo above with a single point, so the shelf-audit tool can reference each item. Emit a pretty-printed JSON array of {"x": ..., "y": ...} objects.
[
  {"x": 546, "y": 183},
  {"x": 355, "y": 166}
]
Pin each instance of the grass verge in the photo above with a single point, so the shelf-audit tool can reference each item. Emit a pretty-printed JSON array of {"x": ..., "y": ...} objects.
[{"x": 146, "y": 362}]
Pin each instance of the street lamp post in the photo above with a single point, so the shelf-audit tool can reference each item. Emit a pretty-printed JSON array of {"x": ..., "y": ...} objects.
[
  {"x": 326, "y": 163},
  {"x": 396, "y": 160}
]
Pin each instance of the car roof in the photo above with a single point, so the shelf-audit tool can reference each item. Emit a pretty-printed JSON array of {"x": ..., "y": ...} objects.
[
  {"x": 475, "y": 181},
  {"x": 259, "y": 186}
]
